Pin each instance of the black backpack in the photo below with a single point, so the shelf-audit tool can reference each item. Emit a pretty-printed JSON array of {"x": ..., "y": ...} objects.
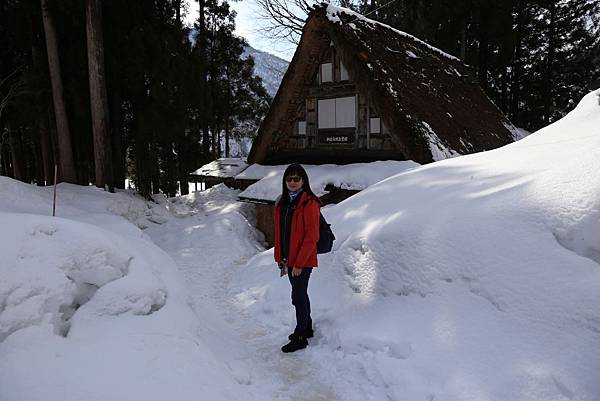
[{"x": 326, "y": 237}]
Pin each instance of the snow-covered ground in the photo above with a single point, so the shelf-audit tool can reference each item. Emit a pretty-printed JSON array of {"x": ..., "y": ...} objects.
[
  {"x": 91, "y": 308},
  {"x": 475, "y": 278}
]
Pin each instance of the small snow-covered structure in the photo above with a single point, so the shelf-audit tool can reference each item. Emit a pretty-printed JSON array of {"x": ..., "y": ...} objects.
[
  {"x": 359, "y": 91},
  {"x": 220, "y": 171}
]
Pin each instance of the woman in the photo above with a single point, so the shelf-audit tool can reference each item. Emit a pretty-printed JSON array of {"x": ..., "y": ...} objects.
[{"x": 296, "y": 235}]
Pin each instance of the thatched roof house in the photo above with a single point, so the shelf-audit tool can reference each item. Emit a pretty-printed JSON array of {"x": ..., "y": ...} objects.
[{"x": 358, "y": 90}]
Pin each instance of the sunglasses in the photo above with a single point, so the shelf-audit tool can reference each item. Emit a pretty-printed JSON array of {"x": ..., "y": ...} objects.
[{"x": 291, "y": 178}]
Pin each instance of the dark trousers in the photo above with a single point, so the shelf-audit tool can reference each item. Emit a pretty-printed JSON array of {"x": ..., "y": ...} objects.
[{"x": 300, "y": 299}]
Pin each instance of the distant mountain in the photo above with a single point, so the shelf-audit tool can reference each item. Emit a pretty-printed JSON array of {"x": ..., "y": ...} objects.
[{"x": 269, "y": 67}]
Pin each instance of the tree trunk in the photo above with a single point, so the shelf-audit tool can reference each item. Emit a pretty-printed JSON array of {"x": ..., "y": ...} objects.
[
  {"x": 118, "y": 153},
  {"x": 215, "y": 144},
  {"x": 154, "y": 167},
  {"x": 183, "y": 174},
  {"x": 3, "y": 169},
  {"x": 178, "y": 13},
  {"x": 463, "y": 39},
  {"x": 142, "y": 177},
  {"x": 549, "y": 73},
  {"x": 46, "y": 148},
  {"x": 227, "y": 135},
  {"x": 219, "y": 153},
  {"x": 181, "y": 153},
  {"x": 45, "y": 142},
  {"x": 173, "y": 172},
  {"x": 29, "y": 157},
  {"x": 16, "y": 154},
  {"x": 227, "y": 109},
  {"x": 482, "y": 67},
  {"x": 5, "y": 161},
  {"x": 98, "y": 97},
  {"x": 65, "y": 149},
  {"x": 513, "y": 108},
  {"x": 37, "y": 159},
  {"x": 204, "y": 97},
  {"x": 53, "y": 136},
  {"x": 504, "y": 94}
]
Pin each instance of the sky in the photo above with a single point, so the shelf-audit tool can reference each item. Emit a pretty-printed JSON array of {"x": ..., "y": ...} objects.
[{"x": 248, "y": 26}]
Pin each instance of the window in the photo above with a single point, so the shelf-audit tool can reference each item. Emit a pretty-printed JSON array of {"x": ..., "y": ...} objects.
[
  {"x": 301, "y": 127},
  {"x": 375, "y": 124},
  {"x": 337, "y": 113},
  {"x": 345, "y": 112},
  {"x": 326, "y": 72},
  {"x": 343, "y": 72},
  {"x": 327, "y": 113}
]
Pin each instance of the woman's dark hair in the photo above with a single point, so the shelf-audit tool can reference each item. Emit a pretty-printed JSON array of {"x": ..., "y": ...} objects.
[{"x": 291, "y": 170}]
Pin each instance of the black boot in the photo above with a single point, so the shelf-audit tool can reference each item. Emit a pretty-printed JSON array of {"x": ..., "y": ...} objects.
[
  {"x": 296, "y": 343},
  {"x": 309, "y": 331}
]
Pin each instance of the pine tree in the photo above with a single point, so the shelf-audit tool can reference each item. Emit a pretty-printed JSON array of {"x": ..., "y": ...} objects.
[
  {"x": 98, "y": 97},
  {"x": 154, "y": 87},
  {"x": 65, "y": 149}
]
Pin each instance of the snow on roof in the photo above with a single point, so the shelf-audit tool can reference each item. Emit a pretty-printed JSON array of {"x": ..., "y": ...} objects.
[
  {"x": 333, "y": 13},
  {"x": 439, "y": 151},
  {"x": 356, "y": 176},
  {"x": 222, "y": 168},
  {"x": 516, "y": 132},
  {"x": 257, "y": 172}
]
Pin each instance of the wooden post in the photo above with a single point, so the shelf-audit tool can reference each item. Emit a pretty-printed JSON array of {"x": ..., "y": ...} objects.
[{"x": 54, "y": 196}]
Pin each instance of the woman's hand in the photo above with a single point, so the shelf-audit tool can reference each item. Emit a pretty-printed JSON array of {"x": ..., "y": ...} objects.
[{"x": 296, "y": 271}]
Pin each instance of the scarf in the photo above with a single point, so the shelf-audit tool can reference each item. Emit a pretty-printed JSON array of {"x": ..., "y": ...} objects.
[{"x": 294, "y": 194}]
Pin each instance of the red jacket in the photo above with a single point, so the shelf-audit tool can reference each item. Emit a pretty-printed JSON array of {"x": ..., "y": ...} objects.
[{"x": 304, "y": 233}]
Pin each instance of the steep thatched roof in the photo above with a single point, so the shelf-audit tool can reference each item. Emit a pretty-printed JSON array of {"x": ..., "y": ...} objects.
[{"x": 429, "y": 100}]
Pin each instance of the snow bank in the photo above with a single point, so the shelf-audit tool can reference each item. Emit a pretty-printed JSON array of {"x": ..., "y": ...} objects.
[
  {"x": 356, "y": 176},
  {"x": 91, "y": 309},
  {"x": 87, "y": 204},
  {"x": 473, "y": 278}
]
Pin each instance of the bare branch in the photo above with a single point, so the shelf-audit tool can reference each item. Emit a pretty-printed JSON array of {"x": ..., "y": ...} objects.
[{"x": 284, "y": 18}]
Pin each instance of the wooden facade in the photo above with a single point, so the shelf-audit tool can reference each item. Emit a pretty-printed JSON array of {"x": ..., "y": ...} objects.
[{"x": 318, "y": 126}]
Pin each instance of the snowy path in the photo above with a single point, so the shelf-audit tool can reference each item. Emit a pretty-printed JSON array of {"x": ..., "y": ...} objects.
[{"x": 210, "y": 247}]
